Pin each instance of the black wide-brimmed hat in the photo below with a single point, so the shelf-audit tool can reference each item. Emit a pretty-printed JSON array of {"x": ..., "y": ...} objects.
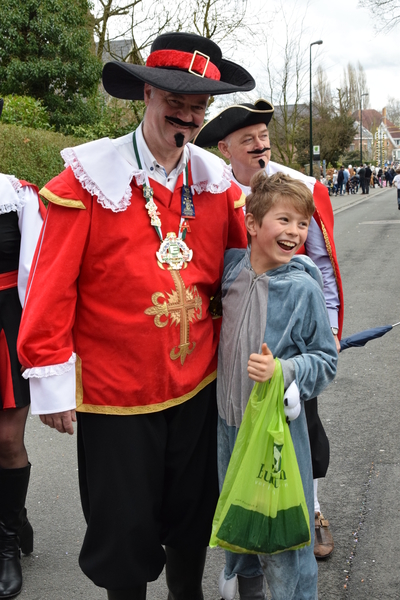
[
  {"x": 231, "y": 119},
  {"x": 184, "y": 63}
]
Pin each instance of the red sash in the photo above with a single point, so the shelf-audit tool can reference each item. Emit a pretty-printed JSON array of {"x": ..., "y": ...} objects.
[{"x": 8, "y": 280}]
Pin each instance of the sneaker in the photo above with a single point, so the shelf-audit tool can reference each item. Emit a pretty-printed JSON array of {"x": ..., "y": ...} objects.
[{"x": 227, "y": 587}]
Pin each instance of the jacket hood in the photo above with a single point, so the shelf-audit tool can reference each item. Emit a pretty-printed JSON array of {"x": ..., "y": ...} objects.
[
  {"x": 237, "y": 259},
  {"x": 300, "y": 263}
]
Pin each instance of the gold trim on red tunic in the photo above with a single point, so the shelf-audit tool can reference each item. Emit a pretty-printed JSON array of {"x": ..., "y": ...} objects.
[
  {"x": 241, "y": 202},
  {"x": 78, "y": 379},
  {"x": 61, "y": 201},
  {"x": 140, "y": 410}
]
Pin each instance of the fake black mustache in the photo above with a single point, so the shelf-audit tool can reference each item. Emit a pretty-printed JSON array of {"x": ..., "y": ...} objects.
[
  {"x": 182, "y": 123},
  {"x": 259, "y": 151}
]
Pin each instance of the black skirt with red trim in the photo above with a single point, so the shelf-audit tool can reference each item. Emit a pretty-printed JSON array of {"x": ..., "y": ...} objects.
[{"x": 14, "y": 389}]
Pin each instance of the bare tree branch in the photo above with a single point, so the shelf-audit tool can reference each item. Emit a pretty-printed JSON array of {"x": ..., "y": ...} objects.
[
  {"x": 354, "y": 87},
  {"x": 142, "y": 20},
  {"x": 287, "y": 81},
  {"x": 393, "y": 110},
  {"x": 386, "y": 13},
  {"x": 107, "y": 10}
]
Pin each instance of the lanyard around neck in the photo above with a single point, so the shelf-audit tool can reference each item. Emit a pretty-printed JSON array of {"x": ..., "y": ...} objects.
[{"x": 148, "y": 195}]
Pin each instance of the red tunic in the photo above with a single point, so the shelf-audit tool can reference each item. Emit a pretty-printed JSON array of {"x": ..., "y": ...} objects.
[
  {"x": 323, "y": 215},
  {"x": 144, "y": 335}
]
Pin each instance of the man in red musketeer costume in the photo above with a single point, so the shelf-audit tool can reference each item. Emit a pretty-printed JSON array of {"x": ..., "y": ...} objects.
[
  {"x": 241, "y": 134},
  {"x": 117, "y": 323}
]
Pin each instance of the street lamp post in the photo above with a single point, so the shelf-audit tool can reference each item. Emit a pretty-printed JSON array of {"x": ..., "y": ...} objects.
[
  {"x": 361, "y": 97},
  {"x": 311, "y": 144}
]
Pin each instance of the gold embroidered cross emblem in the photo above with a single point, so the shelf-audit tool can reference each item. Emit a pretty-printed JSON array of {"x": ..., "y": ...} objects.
[{"x": 182, "y": 306}]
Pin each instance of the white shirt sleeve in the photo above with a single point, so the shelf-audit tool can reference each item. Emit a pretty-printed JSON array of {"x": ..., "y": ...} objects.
[
  {"x": 53, "y": 388},
  {"x": 30, "y": 223},
  {"x": 316, "y": 250}
]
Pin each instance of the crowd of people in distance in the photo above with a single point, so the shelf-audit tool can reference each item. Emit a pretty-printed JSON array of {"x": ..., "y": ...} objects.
[{"x": 351, "y": 180}]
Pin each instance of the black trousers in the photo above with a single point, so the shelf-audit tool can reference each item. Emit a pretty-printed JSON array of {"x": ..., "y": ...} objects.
[
  {"x": 319, "y": 442},
  {"x": 146, "y": 480}
]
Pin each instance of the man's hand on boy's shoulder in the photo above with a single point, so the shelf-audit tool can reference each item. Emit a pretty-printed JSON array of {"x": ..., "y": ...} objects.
[{"x": 261, "y": 366}]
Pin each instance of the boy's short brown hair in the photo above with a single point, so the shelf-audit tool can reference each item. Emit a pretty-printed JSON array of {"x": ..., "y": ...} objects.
[{"x": 265, "y": 191}]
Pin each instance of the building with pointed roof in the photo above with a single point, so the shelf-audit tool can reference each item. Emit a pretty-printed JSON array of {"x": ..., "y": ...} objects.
[{"x": 378, "y": 132}]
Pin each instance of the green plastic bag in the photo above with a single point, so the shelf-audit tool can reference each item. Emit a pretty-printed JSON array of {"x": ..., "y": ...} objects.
[{"x": 262, "y": 508}]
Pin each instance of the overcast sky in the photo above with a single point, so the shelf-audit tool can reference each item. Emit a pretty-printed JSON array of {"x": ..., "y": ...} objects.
[{"x": 348, "y": 35}]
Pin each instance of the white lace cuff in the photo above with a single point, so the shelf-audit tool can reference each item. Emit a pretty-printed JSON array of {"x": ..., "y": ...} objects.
[
  {"x": 50, "y": 370},
  {"x": 10, "y": 199}
]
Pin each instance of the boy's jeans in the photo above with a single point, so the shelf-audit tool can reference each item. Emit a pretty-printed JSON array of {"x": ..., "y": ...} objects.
[{"x": 291, "y": 575}]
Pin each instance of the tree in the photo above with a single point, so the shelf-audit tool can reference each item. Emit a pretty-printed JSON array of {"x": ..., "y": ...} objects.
[
  {"x": 333, "y": 133},
  {"x": 333, "y": 127},
  {"x": 46, "y": 51},
  {"x": 140, "y": 21},
  {"x": 354, "y": 87},
  {"x": 393, "y": 110},
  {"x": 137, "y": 22},
  {"x": 386, "y": 13},
  {"x": 287, "y": 81},
  {"x": 218, "y": 19},
  {"x": 107, "y": 9},
  {"x": 322, "y": 93}
]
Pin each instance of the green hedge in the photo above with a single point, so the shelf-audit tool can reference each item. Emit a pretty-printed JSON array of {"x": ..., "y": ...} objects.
[{"x": 33, "y": 154}]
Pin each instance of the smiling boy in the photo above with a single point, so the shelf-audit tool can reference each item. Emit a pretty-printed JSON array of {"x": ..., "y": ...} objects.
[{"x": 273, "y": 305}]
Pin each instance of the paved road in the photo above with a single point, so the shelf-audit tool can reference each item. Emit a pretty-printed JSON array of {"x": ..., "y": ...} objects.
[{"x": 361, "y": 415}]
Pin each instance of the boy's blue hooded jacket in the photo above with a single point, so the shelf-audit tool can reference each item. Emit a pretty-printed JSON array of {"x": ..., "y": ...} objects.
[{"x": 285, "y": 308}]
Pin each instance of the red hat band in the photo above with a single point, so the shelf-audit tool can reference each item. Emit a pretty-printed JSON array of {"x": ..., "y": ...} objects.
[{"x": 197, "y": 63}]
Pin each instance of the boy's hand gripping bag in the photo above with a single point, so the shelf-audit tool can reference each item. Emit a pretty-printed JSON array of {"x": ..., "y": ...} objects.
[{"x": 262, "y": 508}]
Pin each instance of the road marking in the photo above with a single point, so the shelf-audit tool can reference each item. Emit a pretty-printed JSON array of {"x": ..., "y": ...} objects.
[{"x": 379, "y": 222}]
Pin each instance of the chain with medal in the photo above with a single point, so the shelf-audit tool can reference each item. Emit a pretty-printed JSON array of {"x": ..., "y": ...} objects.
[{"x": 173, "y": 250}]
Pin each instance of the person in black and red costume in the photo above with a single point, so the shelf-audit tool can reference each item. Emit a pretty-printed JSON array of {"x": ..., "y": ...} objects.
[
  {"x": 241, "y": 134},
  {"x": 117, "y": 324},
  {"x": 21, "y": 218}
]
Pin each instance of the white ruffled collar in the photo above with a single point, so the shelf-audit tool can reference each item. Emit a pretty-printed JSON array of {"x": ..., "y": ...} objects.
[
  {"x": 10, "y": 200},
  {"x": 105, "y": 173}
]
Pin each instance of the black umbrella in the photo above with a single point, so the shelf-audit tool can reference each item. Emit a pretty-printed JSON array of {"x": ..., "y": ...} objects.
[{"x": 362, "y": 337}]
